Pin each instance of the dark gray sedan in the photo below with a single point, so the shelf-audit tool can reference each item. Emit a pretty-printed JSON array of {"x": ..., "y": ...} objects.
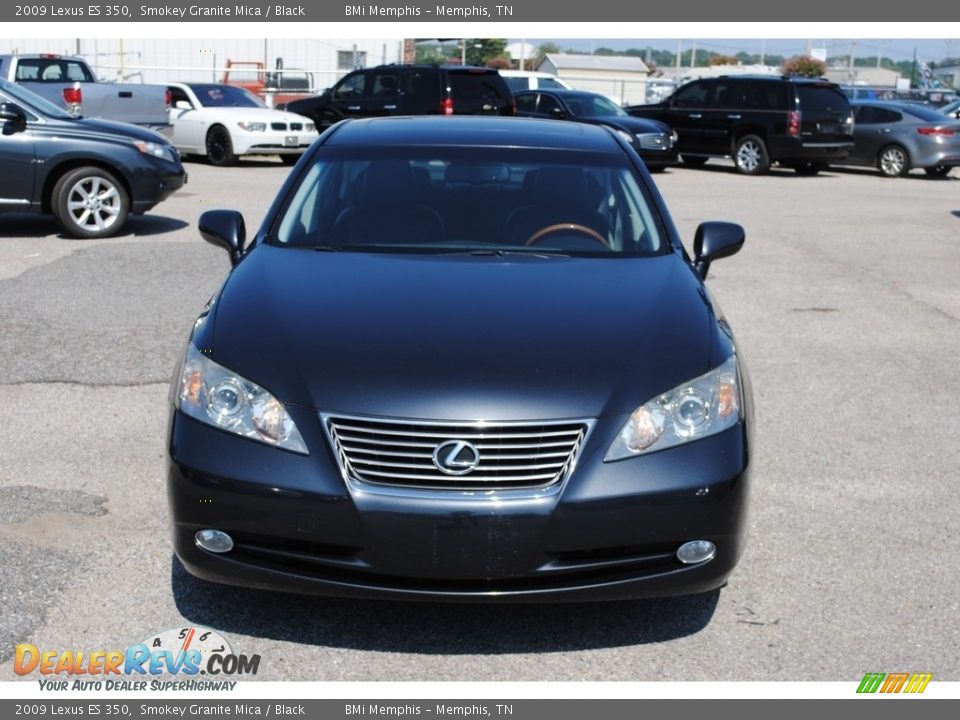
[
  {"x": 656, "y": 142},
  {"x": 897, "y": 137}
]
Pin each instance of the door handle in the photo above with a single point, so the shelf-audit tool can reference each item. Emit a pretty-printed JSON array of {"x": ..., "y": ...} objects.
[
  {"x": 733, "y": 117},
  {"x": 353, "y": 107},
  {"x": 695, "y": 116},
  {"x": 389, "y": 107}
]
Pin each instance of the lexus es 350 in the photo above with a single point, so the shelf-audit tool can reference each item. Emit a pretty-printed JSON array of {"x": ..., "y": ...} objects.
[{"x": 463, "y": 358}]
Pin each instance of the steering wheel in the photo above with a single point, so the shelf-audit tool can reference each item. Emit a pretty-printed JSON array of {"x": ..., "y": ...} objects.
[{"x": 569, "y": 227}]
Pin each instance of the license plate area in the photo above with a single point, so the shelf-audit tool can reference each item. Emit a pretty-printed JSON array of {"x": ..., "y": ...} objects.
[{"x": 291, "y": 141}]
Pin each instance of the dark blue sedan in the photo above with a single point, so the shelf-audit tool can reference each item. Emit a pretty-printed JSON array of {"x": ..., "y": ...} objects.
[
  {"x": 655, "y": 141},
  {"x": 463, "y": 358}
]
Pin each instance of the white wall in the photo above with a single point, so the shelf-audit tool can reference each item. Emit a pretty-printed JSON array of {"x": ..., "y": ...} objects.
[{"x": 169, "y": 59}]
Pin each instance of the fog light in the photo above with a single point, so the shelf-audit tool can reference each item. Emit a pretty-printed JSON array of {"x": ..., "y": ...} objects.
[
  {"x": 696, "y": 551},
  {"x": 214, "y": 541}
]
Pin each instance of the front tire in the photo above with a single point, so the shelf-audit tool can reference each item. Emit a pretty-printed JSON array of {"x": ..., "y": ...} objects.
[
  {"x": 219, "y": 147},
  {"x": 893, "y": 161},
  {"x": 90, "y": 203},
  {"x": 750, "y": 155}
]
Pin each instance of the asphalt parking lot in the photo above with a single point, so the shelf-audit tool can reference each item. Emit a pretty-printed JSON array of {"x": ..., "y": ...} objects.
[{"x": 846, "y": 303}]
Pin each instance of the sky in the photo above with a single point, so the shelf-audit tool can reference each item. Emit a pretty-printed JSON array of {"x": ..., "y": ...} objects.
[{"x": 927, "y": 49}]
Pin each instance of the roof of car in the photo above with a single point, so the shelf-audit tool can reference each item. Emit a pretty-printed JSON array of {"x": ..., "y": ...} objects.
[
  {"x": 475, "y": 131},
  {"x": 562, "y": 92}
]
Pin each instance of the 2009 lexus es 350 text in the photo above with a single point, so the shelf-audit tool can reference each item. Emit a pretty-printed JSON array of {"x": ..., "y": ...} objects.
[{"x": 463, "y": 359}]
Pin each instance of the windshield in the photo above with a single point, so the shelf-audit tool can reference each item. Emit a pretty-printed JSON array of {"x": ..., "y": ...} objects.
[
  {"x": 593, "y": 106},
  {"x": 225, "y": 96},
  {"x": 32, "y": 101},
  {"x": 476, "y": 200}
]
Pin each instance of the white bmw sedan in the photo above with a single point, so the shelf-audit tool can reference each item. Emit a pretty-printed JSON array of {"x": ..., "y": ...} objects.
[{"x": 223, "y": 122}]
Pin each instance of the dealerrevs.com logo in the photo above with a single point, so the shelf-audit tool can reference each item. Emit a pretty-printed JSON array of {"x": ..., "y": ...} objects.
[
  {"x": 910, "y": 683},
  {"x": 171, "y": 660}
]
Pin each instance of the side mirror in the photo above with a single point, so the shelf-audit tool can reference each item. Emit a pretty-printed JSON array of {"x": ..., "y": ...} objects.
[
  {"x": 225, "y": 229},
  {"x": 183, "y": 105},
  {"x": 13, "y": 118},
  {"x": 715, "y": 240},
  {"x": 557, "y": 114}
]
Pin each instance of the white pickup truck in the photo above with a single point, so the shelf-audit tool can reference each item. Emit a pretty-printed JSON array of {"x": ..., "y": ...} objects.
[{"x": 69, "y": 83}]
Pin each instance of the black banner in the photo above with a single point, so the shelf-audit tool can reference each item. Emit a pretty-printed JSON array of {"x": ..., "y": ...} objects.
[
  {"x": 537, "y": 11},
  {"x": 877, "y": 709}
]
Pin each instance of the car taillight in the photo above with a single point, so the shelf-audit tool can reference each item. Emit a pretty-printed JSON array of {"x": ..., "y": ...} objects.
[
  {"x": 943, "y": 132},
  {"x": 73, "y": 96},
  {"x": 446, "y": 107},
  {"x": 793, "y": 123},
  {"x": 169, "y": 98}
]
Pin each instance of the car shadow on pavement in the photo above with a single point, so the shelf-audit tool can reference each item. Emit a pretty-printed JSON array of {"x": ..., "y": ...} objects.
[
  {"x": 437, "y": 628},
  {"x": 956, "y": 213},
  {"x": 40, "y": 226}
]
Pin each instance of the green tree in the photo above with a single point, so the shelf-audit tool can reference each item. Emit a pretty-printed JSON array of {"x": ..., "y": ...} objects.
[
  {"x": 804, "y": 66},
  {"x": 479, "y": 51}
]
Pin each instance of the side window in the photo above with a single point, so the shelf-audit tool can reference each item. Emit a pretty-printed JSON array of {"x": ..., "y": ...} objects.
[
  {"x": 516, "y": 84},
  {"x": 382, "y": 83},
  {"x": 526, "y": 102},
  {"x": 890, "y": 116},
  {"x": 351, "y": 87},
  {"x": 693, "y": 95},
  {"x": 420, "y": 83},
  {"x": 728, "y": 95},
  {"x": 765, "y": 95},
  {"x": 178, "y": 95},
  {"x": 547, "y": 104}
]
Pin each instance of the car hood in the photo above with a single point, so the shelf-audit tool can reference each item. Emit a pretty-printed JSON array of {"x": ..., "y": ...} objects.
[
  {"x": 461, "y": 337},
  {"x": 634, "y": 124},
  {"x": 100, "y": 129}
]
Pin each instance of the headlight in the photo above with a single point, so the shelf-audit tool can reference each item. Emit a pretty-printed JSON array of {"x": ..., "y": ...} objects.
[
  {"x": 252, "y": 126},
  {"x": 311, "y": 127},
  {"x": 704, "y": 406},
  {"x": 625, "y": 135},
  {"x": 213, "y": 395},
  {"x": 159, "y": 150}
]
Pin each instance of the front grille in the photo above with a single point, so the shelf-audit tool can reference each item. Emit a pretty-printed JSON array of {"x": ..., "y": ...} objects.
[
  {"x": 278, "y": 126},
  {"x": 296, "y": 126},
  {"x": 401, "y": 452},
  {"x": 655, "y": 141}
]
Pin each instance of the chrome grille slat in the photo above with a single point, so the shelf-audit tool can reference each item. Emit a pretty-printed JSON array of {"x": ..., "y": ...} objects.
[
  {"x": 462, "y": 431},
  {"x": 508, "y": 455}
]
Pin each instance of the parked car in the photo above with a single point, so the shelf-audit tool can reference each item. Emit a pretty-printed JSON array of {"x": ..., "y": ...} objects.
[
  {"x": 410, "y": 90},
  {"x": 89, "y": 174},
  {"x": 520, "y": 80},
  {"x": 952, "y": 109},
  {"x": 654, "y": 140},
  {"x": 223, "y": 122},
  {"x": 494, "y": 374},
  {"x": 758, "y": 120},
  {"x": 70, "y": 84},
  {"x": 897, "y": 137}
]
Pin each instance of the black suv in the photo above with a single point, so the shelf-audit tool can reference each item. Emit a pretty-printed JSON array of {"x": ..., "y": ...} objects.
[
  {"x": 410, "y": 90},
  {"x": 802, "y": 123}
]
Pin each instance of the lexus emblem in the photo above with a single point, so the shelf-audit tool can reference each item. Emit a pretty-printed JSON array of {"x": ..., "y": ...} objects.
[{"x": 456, "y": 457}]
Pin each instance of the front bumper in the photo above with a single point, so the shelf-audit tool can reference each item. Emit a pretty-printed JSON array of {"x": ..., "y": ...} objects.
[
  {"x": 153, "y": 182},
  {"x": 611, "y": 530},
  {"x": 272, "y": 142}
]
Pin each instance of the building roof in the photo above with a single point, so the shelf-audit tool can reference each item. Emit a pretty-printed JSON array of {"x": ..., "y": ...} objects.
[{"x": 616, "y": 63}]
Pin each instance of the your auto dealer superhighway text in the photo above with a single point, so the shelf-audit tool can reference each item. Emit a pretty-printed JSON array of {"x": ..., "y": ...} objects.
[{"x": 183, "y": 11}]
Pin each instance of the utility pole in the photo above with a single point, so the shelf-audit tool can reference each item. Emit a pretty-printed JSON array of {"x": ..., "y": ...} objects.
[
  {"x": 763, "y": 50},
  {"x": 693, "y": 55},
  {"x": 679, "y": 50},
  {"x": 850, "y": 72},
  {"x": 913, "y": 69}
]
